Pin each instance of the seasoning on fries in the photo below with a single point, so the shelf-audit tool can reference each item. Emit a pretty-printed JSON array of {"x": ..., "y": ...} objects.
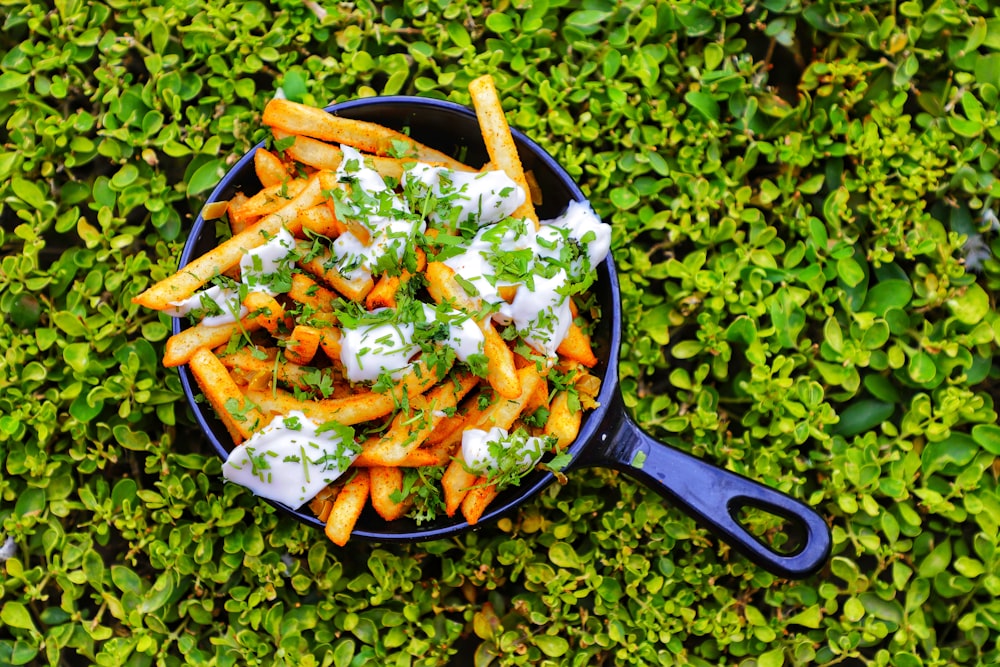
[{"x": 387, "y": 324}]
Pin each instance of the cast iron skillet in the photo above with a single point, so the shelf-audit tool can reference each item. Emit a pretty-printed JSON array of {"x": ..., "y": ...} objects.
[{"x": 608, "y": 436}]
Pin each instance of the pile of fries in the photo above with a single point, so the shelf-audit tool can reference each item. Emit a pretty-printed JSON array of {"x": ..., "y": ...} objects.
[{"x": 282, "y": 352}]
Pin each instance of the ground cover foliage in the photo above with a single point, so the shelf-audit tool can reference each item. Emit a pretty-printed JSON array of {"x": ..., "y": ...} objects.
[{"x": 803, "y": 197}]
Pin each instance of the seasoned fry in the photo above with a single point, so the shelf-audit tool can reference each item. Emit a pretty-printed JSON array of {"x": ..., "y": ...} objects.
[
  {"x": 322, "y": 155},
  {"x": 270, "y": 170},
  {"x": 477, "y": 499},
  {"x": 182, "y": 346},
  {"x": 322, "y": 265},
  {"x": 444, "y": 288},
  {"x": 307, "y": 291},
  {"x": 301, "y": 346},
  {"x": 269, "y": 200},
  {"x": 367, "y": 137},
  {"x": 185, "y": 282},
  {"x": 499, "y": 142},
  {"x": 410, "y": 428},
  {"x": 360, "y": 407},
  {"x": 235, "y": 224},
  {"x": 383, "y": 295},
  {"x": 238, "y": 413},
  {"x": 347, "y": 508},
  {"x": 321, "y": 220},
  {"x": 384, "y": 483},
  {"x": 563, "y": 423},
  {"x": 457, "y": 480}
]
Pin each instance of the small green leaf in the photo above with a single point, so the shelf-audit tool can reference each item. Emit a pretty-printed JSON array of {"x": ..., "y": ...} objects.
[
  {"x": 850, "y": 271},
  {"x": 861, "y": 416},
  {"x": 704, "y": 103},
  {"x": 16, "y": 615},
  {"x": 971, "y": 306},
  {"x": 563, "y": 555},
  {"x": 887, "y": 294},
  {"x": 987, "y": 436},
  {"x": 921, "y": 367},
  {"x": 552, "y": 645},
  {"x": 206, "y": 176}
]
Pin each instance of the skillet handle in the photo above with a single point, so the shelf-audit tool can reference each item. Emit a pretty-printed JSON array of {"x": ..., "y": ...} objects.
[{"x": 711, "y": 495}]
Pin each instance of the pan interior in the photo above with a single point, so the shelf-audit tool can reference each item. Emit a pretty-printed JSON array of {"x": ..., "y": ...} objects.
[{"x": 454, "y": 130}]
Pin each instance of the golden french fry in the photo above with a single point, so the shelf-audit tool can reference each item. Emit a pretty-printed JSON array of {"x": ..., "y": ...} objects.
[
  {"x": 307, "y": 291},
  {"x": 321, "y": 220},
  {"x": 384, "y": 483},
  {"x": 181, "y": 346},
  {"x": 362, "y": 406},
  {"x": 477, "y": 499},
  {"x": 269, "y": 200},
  {"x": 322, "y": 155},
  {"x": 347, "y": 507},
  {"x": 563, "y": 423},
  {"x": 577, "y": 346},
  {"x": 383, "y": 295},
  {"x": 534, "y": 189},
  {"x": 270, "y": 169},
  {"x": 235, "y": 410},
  {"x": 235, "y": 224},
  {"x": 265, "y": 311},
  {"x": 499, "y": 142},
  {"x": 323, "y": 266},
  {"x": 295, "y": 118},
  {"x": 329, "y": 342},
  {"x": 456, "y": 480},
  {"x": 189, "y": 278},
  {"x": 302, "y": 343},
  {"x": 411, "y": 427},
  {"x": 500, "y": 370},
  {"x": 214, "y": 210}
]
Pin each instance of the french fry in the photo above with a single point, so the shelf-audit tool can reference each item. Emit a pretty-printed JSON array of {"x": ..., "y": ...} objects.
[
  {"x": 322, "y": 155},
  {"x": 383, "y": 295},
  {"x": 237, "y": 412},
  {"x": 499, "y": 141},
  {"x": 563, "y": 423},
  {"x": 235, "y": 224},
  {"x": 191, "y": 277},
  {"x": 577, "y": 346},
  {"x": 475, "y": 502},
  {"x": 456, "y": 480},
  {"x": 347, "y": 508},
  {"x": 308, "y": 292},
  {"x": 269, "y": 200},
  {"x": 265, "y": 311},
  {"x": 323, "y": 266},
  {"x": 322, "y": 503},
  {"x": 302, "y": 343},
  {"x": 410, "y": 428},
  {"x": 181, "y": 346},
  {"x": 321, "y": 220},
  {"x": 329, "y": 342},
  {"x": 269, "y": 167},
  {"x": 501, "y": 373},
  {"x": 362, "y": 406},
  {"x": 384, "y": 483},
  {"x": 214, "y": 210},
  {"x": 300, "y": 119}
]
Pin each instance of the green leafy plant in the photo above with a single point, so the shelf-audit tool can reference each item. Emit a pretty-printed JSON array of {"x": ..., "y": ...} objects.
[{"x": 804, "y": 201}]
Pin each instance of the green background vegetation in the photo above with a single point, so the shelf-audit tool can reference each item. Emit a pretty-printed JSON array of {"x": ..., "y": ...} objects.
[{"x": 799, "y": 193}]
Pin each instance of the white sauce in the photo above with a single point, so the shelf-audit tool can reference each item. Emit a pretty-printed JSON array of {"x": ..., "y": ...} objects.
[
  {"x": 290, "y": 465},
  {"x": 481, "y": 450},
  {"x": 484, "y": 198},
  {"x": 368, "y": 350},
  {"x": 257, "y": 269},
  {"x": 539, "y": 312},
  {"x": 373, "y": 205}
]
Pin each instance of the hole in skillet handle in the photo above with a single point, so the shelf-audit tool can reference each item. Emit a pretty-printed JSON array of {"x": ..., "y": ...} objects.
[{"x": 452, "y": 129}]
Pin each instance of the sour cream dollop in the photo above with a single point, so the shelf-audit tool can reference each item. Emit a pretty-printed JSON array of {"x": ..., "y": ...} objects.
[{"x": 291, "y": 459}]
